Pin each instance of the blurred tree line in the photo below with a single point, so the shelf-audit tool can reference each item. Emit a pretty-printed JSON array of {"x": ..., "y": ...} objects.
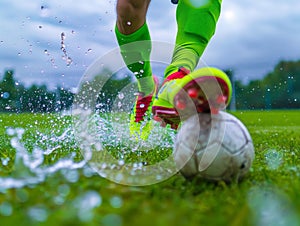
[
  {"x": 279, "y": 89},
  {"x": 15, "y": 97}
]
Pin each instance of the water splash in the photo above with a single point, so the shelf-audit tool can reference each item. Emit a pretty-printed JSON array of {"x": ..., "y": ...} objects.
[
  {"x": 116, "y": 202},
  {"x": 65, "y": 56},
  {"x": 101, "y": 113},
  {"x": 6, "y": 209},
  {"x": 29, "y": 166},
  {"x": 111, "y": 150},
  {"x": 57, "y": 151},
  {"x": 270, "y": 206},
  {"x": 274, "y": 159},
  {"x": 85, "y": 205},
  {"x": 38, "y": 213},
  {"x": 45, "y": 11}
]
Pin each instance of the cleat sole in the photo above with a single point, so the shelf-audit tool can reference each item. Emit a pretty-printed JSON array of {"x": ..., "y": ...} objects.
[
  {"x": 180, "y": 105},
  {"x": 203, "y": 94},
  {"x": 193, "y": 93},
  {"x": 195, "y": 100}
]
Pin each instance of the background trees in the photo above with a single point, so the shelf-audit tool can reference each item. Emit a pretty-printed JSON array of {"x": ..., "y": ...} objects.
[
  {"x": 15, "y": 97},
  {"x": 279, "y": 89}
]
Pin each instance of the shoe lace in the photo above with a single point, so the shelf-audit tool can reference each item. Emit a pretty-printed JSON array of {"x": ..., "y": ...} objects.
[{"x": 142, "y": 105}]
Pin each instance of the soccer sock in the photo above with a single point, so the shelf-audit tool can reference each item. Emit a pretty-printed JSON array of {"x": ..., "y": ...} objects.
[
  {"x": 135, "y": 50},
  {"x": 196, "y": 25}
]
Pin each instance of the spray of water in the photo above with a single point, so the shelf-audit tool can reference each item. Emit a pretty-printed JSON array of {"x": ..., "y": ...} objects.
[
  {"x": 29, "y": 165},
  {"x": 270, "y": 206},
  {"x": 101, "y": 113}
]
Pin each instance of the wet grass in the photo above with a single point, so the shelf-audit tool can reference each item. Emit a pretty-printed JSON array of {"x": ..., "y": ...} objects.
[{"x": 269, "y": 195}]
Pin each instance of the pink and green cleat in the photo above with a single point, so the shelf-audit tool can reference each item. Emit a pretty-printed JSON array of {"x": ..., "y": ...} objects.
[
  {"x": 184, "y": 94},
  {"x": 141, "y": 116}
]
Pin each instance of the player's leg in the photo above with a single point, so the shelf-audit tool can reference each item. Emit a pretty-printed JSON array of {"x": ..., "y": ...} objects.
[
  {"x": 131, "y": 15},
  {"x": 196, "y": 26},
  {"x": 134, "y": 40},
  {"x": 135, "y": 43}
]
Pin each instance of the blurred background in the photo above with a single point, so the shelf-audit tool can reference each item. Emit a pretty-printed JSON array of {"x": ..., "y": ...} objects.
[{"x": 46, "y": 46}]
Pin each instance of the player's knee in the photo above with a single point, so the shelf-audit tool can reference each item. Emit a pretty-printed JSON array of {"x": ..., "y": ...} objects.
[
  {"x": 131, "y": 15},
  {"x": 131, "y": 6}
]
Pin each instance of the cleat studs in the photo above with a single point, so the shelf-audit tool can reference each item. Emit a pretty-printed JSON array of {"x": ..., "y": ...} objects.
[
  {"x": 201, "y": 100},
  {"x": 214, "y": 111},
  {"x": 180, "y": 104},
  {"x": 174, "y": 126},
  {"x": 221, "y": 99},
  {"x": 163, "y": 124},
  {"x": 157, "y": 118},
  {"x": 193, "y": 93}
]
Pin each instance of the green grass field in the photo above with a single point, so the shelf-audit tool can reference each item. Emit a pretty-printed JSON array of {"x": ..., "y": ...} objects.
[{"x": 269, "y": 195}]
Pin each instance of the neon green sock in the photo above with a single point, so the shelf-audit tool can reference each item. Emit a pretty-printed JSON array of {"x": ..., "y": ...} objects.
[
  {"x": 196, "y": 26},
  {"x": 135, "y": 50}
]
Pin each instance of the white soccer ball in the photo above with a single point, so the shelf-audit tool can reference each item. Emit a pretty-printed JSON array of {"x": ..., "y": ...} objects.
[{"x": 214, "y": 147}]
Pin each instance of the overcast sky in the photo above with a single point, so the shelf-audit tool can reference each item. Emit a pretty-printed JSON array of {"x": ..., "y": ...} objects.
[{"x": 251, "y": 36}]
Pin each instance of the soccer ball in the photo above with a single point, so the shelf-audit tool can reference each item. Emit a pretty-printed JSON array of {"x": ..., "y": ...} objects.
[{"x": 214, "y": 147}]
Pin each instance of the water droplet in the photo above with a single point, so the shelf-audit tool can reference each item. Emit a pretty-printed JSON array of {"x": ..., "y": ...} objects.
[
  {"x": 121, "y": 96},
  {"x": 5, "y": 161},
  {"x": 6, "y": 209},
  {"x": 5, "y": 95},
  {"x": 39, "y": 214},
  {"x": 88, "y": 172},
  {"x": 116, "y": 202},
  {"x": 119, "y": 104},
  {"x": 86, "y": 203},
  {"x": 121, "y": 162},
  {"x": 71, "y": 175},
  {"x": 44, "y": 11},
  {"x": 59, "y": 200},
  {"x": 69, "y": 61},
  {"x": 34, "y": 159},
  {"x": 142, "y": 105},
  {"x": 63, "y": 36},
  {"x": 112, "y": 219},
  {"x": 63, "y": 190},
  {"x": 273, "y": 159},
  {"x": 128, "y": 23},
  {"x": 22, "y": 195}
]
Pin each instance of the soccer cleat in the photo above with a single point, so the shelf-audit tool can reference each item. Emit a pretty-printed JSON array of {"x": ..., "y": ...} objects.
[
  {"x": 184, "y": 94},
  {"x": 140, "y": 118}
]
